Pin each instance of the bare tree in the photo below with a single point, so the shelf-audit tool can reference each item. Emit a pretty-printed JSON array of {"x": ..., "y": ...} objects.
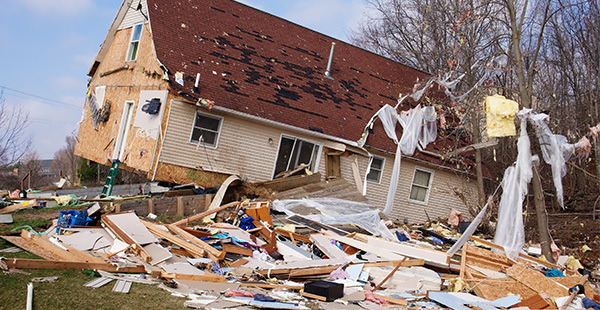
[
  {"x": 65, "y": 160},
  {"x": 31, "y": 166},
  {"x": 14, "y": 142},
  {"x": 444, "y": 37}
]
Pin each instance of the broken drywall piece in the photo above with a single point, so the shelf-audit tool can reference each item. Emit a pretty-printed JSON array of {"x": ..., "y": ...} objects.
[
  {"x": 157, "y": 252},
  {"x": 85, "y": 240},
  {"x": 459, "y": 301},
  {"x": 131, "y": 225}
]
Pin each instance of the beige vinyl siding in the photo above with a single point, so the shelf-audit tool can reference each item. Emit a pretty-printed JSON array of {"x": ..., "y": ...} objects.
[
  {"x": 134, "y": 16},
  {"x": 243, "y": 146},
  {"x": 244, "y": 149},
  {"x": 441, "y": 200}
]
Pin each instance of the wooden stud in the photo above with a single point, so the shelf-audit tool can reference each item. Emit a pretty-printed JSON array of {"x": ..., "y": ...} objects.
[
  {"x": 206, "y": 213},
  {"x": 192, "y": 239},
  {"x": 126, "y": 238},
  {"x": 180, "y": 206},
  {"x": 23, "y": 263}
]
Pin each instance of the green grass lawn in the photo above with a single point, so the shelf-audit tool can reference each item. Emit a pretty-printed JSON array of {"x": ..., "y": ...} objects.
[{"x": 68, "y": 292}]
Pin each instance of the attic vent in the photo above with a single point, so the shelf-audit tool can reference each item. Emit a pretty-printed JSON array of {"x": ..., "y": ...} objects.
[{"x": 328, "y": 71}]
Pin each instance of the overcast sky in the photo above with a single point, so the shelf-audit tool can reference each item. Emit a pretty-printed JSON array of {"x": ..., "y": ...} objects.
[{"x": 47, "y": 47}]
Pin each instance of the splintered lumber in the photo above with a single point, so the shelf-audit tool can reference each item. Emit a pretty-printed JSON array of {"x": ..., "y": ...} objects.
[
  {"x": 231, "y": 248},
  {"x": 536, "y": 280},
  {"x": 325, "y": 266},
  {"x": 313, "y": 296},
  {"x": 126, "y": 238},
  {"x": 23, "y": 263},
  {"x": 293, "y": 236},
  {"x": 206, "y": 213},
  {"x": 83, "y": 255},
  {"x": 31, "y": 247},
  {"x": 19, "y": 206},
  {"x": 269, "y": 237},
  {"x": 389, "y": 275},
  {"x": 392, "y": 300},
  {"x": 191, "y": 238},
  {"x": 379, "y": 251},
  {"x": 430, "y": 256},
  {"x": 50, "y": 247},
  {"x": 196, "y": 251},
  {"x": 522, "y": 255},
  {"x": 324, "y": 244}
]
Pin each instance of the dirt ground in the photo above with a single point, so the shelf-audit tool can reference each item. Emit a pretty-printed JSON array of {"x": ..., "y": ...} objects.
[{"x": 570, "y": 231}]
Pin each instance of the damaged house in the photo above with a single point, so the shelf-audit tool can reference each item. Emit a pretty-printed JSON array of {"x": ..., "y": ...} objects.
[{"x": 196, "y": 91}]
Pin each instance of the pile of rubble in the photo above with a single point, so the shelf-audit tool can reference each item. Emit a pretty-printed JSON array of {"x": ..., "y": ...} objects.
[{"x": 288, "y": 254}]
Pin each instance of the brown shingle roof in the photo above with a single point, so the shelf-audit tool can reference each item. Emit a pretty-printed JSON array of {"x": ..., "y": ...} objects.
[{"x": 256, "y": 63}]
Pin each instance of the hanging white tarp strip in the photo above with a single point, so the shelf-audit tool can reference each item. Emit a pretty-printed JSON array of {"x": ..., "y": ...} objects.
[{"x": 510, "y": 232}]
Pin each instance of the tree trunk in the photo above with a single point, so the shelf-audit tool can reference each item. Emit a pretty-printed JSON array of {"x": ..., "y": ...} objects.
[{"x": 542, "y": 216}]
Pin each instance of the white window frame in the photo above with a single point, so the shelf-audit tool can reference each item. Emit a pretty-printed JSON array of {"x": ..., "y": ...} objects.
[
  {"x": 412, "y": 184},
  {"x": 218, "y": 132},
  {"x": 380, "y": 171},
  {"x": 317, "y": 157},
  {"x": 129, "y": 55}
]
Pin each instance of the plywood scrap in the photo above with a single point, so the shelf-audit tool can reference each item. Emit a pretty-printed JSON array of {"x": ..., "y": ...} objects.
[
  {"x": 536, "y": 280},
  {"x": 492, "y": 289},
  {"x": 534, "y": 302}
]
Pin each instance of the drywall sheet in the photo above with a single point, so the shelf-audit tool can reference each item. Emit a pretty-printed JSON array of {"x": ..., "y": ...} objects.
[
  {"x": 131, "y": 225},
  {"x": 148, "y": 124}
]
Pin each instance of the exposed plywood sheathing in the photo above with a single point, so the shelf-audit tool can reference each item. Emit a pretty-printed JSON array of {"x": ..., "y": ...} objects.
[{"x": 536, "y": 280}]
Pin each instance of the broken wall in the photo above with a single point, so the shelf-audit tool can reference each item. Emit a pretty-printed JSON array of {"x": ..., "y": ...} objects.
[{"x": 142, "y": 75}]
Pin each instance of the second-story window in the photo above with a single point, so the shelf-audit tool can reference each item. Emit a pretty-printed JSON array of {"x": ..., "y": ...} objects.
[{"x": 134, "y": 42}]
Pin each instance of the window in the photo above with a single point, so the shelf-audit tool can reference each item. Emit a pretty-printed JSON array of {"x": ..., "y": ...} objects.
[
  {"x": 206, "y": 130},
  {"x": 420, "y": 185},
  {"x": 376, "y": 170},
  {"x": 294, "y": 152},
  {"x": 134, "y": 42}
]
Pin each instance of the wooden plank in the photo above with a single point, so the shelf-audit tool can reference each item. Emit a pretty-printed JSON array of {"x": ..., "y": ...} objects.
[
  {"x": 392, "y": 300},
  {"x": 326, "y": 266},
  {"x": 31, "y": 247},
  {"x": 125, "y": 237},
  {"x": 313, "y": 296},
  {"x": 389, "y": 275},
  {"x": 194, "y": 277},
  {"x": 536, "y": 280},
  {"x": 20, "y": 206},
  {"x": 192, "y": 249},
  {"x": 238, "y": 263},
  {"x": 231, "y": 248},
  {"x": 23, "y": 263},
  {"x": 324, "y": 244},
  {"x": 83, "y": 255},
  {"x": 293, "y": 235},
  {"x": 206, "y": 213},
  {"x": 534, "y": 302},
  {"x": 272, "y": 286},
  {"x": 436, "y": 257},
  {"x": 50, "y": 247},
  {"x": 192, "y": 239},
  {"x": 475, "y": 146},
  {"x": 279, "y": 185},
  {"x": 379, "y": 251},
  {"x": 523, "y": 255}
]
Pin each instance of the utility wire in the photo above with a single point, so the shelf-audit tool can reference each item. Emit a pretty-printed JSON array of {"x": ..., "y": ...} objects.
[{"x": 63, "y": 104}]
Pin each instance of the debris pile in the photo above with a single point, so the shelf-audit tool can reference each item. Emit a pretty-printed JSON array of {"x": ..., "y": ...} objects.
[{"x": 298, "y": 254}]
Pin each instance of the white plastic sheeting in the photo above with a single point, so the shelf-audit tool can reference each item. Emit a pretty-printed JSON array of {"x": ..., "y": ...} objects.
[
  {"x": 555, "y": 150},
  {"x": 419, "y": 129},
  {"x": 510, "y": 232},
  {"x": 338, "y": 211}
]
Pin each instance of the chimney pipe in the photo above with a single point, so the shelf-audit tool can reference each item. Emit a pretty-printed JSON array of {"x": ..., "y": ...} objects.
[{"x": 328, "y": 71}]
